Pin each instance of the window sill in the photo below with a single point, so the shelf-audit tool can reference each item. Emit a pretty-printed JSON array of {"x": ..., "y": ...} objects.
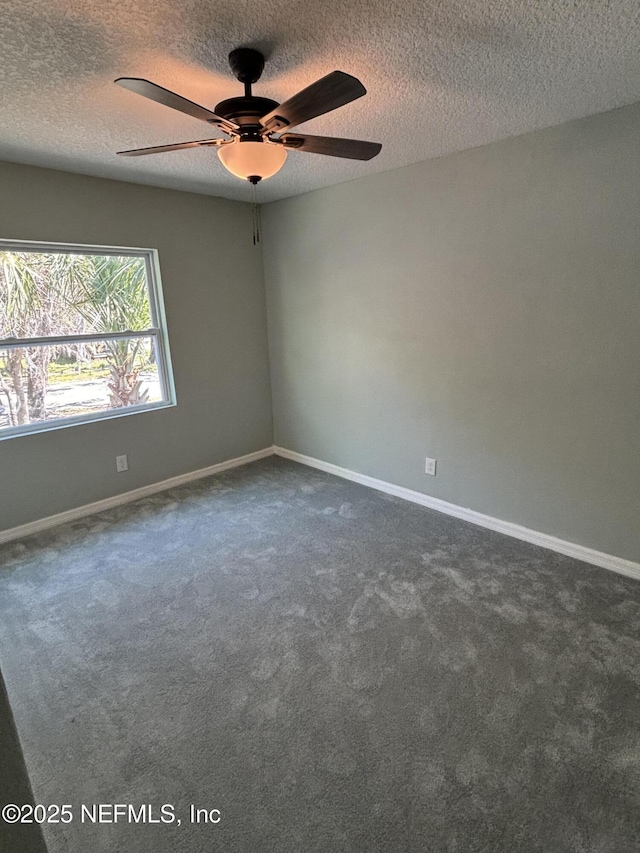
[{"x": 80, "y": 420}]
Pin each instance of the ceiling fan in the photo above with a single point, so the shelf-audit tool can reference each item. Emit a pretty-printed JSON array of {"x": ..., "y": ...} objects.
[{"x": 256, "y": 129}]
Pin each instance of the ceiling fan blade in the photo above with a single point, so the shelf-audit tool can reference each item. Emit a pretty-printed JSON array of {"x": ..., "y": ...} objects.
[
  {"x": 178, "y": 146},
  {"x": 326, "y": 94},
  {"x": 169, "y": 99},
  {"x": 354, "y": 149}
]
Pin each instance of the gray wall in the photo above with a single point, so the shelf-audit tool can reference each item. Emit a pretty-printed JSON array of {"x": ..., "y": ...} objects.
[
  {"x": 484, "y": 309},
  {"x": 214, "y": 299},
  {"x": 15, "y": 787}
]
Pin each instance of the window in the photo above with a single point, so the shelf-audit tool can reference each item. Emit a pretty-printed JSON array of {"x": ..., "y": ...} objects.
[{"x": 82, "y": 335}]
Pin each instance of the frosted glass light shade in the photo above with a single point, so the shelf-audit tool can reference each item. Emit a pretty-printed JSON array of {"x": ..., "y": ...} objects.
[{"x": 249, "y": 159}]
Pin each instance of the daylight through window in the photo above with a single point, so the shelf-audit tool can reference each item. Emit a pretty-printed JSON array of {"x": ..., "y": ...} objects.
[{"x": 82, "y": 335}]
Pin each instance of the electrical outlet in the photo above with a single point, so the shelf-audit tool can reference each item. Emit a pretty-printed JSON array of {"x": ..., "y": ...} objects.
[
  {"x": 430, "y": 467},
  {"x": 121, "y": 463}
]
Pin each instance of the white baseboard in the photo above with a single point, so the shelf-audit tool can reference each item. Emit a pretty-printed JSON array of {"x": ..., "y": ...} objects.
[
  {"x": 561, "y": 546},
  {"x": 126, "y": 497}
]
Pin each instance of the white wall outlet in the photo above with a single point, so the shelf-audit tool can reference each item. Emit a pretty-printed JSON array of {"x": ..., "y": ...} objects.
[
  {"x": 430, "y": 467},
  {"x": 121, "y": 463}
]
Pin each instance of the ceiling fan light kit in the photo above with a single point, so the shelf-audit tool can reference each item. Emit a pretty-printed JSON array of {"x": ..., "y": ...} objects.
[
  {"x": 255, "y": 145},
  {"x": 252, "y": 160}
]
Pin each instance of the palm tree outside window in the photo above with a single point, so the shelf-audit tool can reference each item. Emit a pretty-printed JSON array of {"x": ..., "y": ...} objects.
[{"x": 82, "y": 335}]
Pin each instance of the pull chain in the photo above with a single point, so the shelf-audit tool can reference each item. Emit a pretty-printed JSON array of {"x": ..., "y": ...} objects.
[{"x": 255, "y": 214}]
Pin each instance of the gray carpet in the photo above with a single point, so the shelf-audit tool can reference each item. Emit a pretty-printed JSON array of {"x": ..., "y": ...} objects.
[{"x": 332, "y": 668}]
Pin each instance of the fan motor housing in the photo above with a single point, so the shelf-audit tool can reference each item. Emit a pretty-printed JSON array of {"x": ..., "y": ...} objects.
[{"x": 245, "y": 111}]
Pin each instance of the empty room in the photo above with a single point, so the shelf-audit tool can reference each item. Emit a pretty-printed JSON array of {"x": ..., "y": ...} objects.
[{"x": 320, "y": 427}]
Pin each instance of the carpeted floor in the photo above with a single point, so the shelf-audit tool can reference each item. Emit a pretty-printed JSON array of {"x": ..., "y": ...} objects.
[{"x": 332, "y": 668}]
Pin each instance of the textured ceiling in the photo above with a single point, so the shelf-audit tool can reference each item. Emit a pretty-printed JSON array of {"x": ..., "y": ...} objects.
[{"x": 442, "y": 75}]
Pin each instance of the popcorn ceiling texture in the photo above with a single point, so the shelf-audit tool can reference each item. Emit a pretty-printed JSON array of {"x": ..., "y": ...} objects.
[{"x": 441, "y": 77}]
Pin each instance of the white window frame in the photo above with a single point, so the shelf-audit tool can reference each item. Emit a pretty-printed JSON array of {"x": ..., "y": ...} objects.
[{"x": 158, "y": 331}]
